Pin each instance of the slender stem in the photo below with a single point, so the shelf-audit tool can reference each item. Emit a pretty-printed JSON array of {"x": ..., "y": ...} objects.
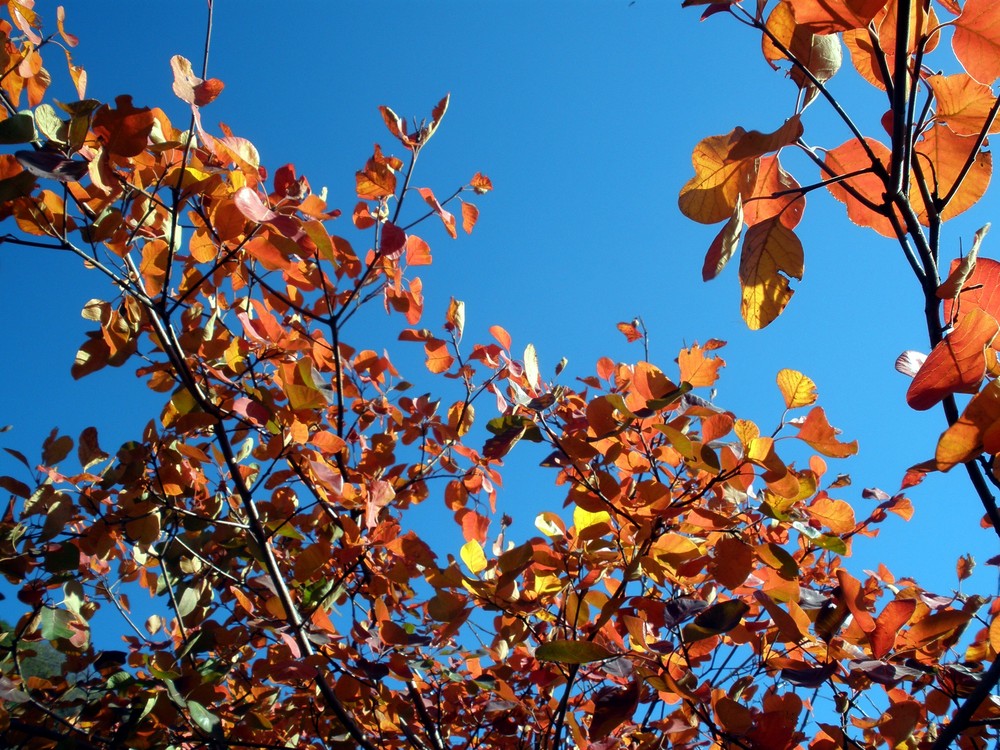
[{"x": 901, "y": 130}]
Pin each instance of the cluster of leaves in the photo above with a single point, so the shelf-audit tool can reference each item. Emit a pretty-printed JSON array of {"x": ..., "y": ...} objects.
[
  {"x": 934, "y": 167},
  {"x": 255, "y": 543},
  {"x": 926, "y": 163}
]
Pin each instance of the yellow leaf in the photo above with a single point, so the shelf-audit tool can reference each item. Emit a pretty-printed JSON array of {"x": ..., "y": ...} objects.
[
  {"x": 473, "y": 556},
  {"x": 584, "y": 519},
  {"x": 796, "y": 388},
  {"x": 771, "y": 255},
  {"x": 710, "y": 196}
]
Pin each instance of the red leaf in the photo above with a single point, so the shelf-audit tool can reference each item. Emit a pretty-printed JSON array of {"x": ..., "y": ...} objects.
[{"x": 393, "y": 241}]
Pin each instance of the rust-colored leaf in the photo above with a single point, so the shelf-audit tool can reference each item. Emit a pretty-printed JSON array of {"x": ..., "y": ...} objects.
[
  {"x": 772, "y": 254},
  {"x": 981, "y": 291},
  {"x": 775, "y": 193},
  {"x": 125, "y": 129},
  {"x": 957, "y": 364},
  {"x": 696, "y": 368}
]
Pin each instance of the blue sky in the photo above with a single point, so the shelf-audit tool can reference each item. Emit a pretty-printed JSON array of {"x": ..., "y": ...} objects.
[{"x": 584, "y": 115}]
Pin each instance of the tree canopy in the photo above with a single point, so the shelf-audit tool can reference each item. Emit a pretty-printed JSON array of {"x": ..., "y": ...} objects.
[{"x": 688, "y": 583}]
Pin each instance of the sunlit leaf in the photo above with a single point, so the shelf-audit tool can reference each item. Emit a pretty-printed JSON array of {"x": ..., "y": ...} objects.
[
  {"x": 473, "y": 556},
  {"x": 771, "y": 255},
  {"x": 957, "y": 364},
  {"x": 963, "y": 440},
  {"x": 797, "y": 389},
  {"x": 817, "y": 432},
  {"x": 976, "y": 40},
  {"x": 941, "y": 155},
  {"x": 710, "y": 196},
  {"x": 963, "y": 104}
]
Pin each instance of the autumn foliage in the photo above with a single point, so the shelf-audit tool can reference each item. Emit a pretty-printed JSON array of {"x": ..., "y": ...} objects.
[{"x": 685, "y": 587}]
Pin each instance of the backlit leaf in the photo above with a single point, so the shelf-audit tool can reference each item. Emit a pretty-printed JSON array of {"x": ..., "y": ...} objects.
[
  {"x": 851, "y": 157},
  {"x": 831, "y": 16},
  {"x": 473, "y": 556},
  {"x": 771, "y": 255},
  {"x": 963, "y": 441},
  {"x": 976, "y": 41},
  {"x": 710, "y": 196},
  {"x": 963, "y": 104},
  {"x": 957, "y": 364},
  {"x": 941, "y": 155},
  {"x": 817, "y": 432},
  {"x": 797, "y": 389}
]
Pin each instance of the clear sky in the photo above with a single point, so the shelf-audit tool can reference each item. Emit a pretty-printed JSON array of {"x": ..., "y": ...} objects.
[{"x": 584, "y": 115}]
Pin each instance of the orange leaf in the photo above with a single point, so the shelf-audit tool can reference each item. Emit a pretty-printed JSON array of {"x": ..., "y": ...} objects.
[
  {"x": 892, "y": 619},
  {"x": 816, "y": 431},
  {"x": 481, "y": 183},
  {"x": 771, "y": 180},
  {"x": 710, "y": 196},
  {"x": 771, "y": 255},
  {"x": 631, "y": 332},
  {"x": 957, "y": 364},
  {"x": 941, "y": 155},
  {"x": 962, "y": 103},
  {"x": 899, "y": 721},
  {"x": 375, "y": 181},
  {"x": 501, "y": 336},
  {"x": 851, "y": 157},
  {"x": 124, "y": 130},
  {"x": 855, "y": 601},
  {"x": 836, "y": 515},
  {"x": 976, "y": 41},
  {"x": 697, "y": 369},
  {"x": 982, "y": 291},
  {"x": 963, "y": 441},
  {"x": 470, "y": 214}
]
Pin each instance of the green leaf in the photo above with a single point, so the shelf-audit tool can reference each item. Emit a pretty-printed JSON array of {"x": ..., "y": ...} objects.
[
  {"x": 50, "y": 124},
  {"x": 204, "y": 719},
  {"x": 832, "y": 543},
  {"x": 61, "y": 558},
  {"x": 717, "y": 619},
  {"x": 55, "y": 624},
  {"x": 17, "y": 129},
  {"x": 572, "y": 652}
]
